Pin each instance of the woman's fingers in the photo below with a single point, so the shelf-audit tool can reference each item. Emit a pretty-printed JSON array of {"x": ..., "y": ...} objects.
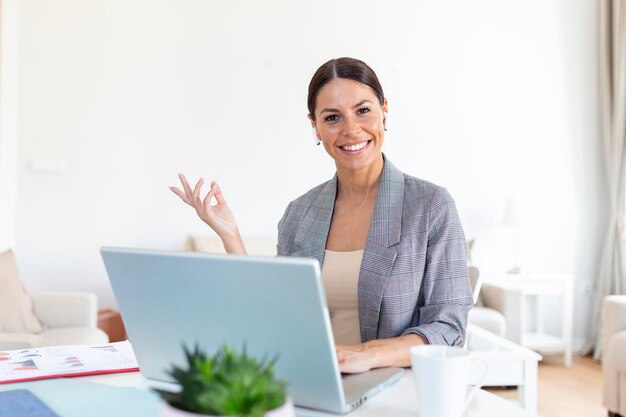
[
  {"x": 196, "y": 193},
  {"x": 180, "y": 194},
  {"x": 186, "y": 187},
  {"x": 206, "y": 204},
  {"x": 193, "y": 198},
  {"x": 219, "y": 197}
]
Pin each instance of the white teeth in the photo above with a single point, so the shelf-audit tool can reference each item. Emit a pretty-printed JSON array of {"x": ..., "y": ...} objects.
[{"x": 354, "y": 147}]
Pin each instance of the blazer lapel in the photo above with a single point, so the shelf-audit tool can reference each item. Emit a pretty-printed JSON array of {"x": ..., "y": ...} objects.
[
  {"x": 380, "y": 251},
  {"x": 313, "y": 233}
]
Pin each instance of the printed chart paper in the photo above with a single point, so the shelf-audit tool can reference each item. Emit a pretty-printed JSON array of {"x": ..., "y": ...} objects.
[{"x": 63, "y": 361}]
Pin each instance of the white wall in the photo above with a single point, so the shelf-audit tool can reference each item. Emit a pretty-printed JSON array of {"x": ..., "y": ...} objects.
[{"x": 491, "y": 99}]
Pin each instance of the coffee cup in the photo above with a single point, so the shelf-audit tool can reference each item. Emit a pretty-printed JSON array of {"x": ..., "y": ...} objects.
[{"x": 442, "y": 378}]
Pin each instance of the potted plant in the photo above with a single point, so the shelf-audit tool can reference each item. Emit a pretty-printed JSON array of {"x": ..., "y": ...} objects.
[{"x": 226, "y": 384}]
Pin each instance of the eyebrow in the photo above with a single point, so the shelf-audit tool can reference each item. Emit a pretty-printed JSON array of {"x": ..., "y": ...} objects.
[{"x": 359, "y": 104}]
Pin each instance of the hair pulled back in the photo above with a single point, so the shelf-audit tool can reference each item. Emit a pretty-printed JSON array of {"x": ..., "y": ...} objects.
[{"x": 350, "y": 68}]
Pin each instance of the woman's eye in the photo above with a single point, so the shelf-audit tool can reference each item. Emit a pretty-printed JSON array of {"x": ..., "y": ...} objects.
[
  {"x": 331, "y": 118},
  {"x": 363, "y": 110}
]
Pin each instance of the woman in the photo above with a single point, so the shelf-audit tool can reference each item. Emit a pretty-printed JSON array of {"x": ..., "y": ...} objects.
[{"x": 391, "y": 246}]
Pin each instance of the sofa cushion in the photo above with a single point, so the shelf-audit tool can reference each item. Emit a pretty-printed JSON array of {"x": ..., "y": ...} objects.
[
  {"x": 73, "y": 336},
  {"x": 16, "y": 307},
  {"x": 488, "y": 319},
  {"x": 256, "y": 245},
  {"x": 12, "y": 341}
]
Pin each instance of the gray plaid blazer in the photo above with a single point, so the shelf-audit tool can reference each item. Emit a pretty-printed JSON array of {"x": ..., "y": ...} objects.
[{"x": 413, "y": 276}]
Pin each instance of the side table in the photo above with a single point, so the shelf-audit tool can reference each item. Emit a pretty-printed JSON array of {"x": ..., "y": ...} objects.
[
  {"x": 110, "y": 321},
  {"x": 539, "y": 285}
]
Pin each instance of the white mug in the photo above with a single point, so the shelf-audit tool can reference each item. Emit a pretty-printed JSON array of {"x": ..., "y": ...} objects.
[{"x": 441, "y": 378}]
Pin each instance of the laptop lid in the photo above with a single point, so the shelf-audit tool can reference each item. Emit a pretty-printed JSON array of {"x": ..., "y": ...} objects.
[{"x": 275, "y": 306}]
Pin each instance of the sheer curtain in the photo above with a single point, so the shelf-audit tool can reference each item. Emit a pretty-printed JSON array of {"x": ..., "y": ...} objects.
[{"x": 610, "y": 278}]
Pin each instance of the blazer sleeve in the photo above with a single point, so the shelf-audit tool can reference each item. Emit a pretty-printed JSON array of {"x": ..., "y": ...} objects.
[{"x": 445, "y": 297}]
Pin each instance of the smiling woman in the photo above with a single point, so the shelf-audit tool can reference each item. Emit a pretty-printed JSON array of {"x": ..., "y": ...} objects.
[
  {"x": 345, "y": 96},
  {"x": 391, "y": 246},
  {"x": 350, "y": 123}
]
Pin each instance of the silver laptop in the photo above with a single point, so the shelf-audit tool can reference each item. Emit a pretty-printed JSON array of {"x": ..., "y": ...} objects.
[{"x": 275, "y": 306}]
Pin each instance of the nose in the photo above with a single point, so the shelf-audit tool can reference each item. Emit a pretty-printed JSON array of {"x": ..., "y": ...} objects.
[{"x": 351, "y": 128}]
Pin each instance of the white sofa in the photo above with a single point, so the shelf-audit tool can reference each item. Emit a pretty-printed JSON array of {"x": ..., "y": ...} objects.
[
  {"x": 68, "y": 318},
  {"x": 614, "y": 356}
]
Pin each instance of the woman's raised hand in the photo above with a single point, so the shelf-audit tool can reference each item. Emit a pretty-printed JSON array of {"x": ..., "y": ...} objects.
[{"x": 218, "y": 216}]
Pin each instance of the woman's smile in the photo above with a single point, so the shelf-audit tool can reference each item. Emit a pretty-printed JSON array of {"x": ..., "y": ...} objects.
[{"x": 355, "y": 148}]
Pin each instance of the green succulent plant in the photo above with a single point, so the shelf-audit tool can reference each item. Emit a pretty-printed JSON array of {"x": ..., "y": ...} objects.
[{"x": 226, "y": 384}]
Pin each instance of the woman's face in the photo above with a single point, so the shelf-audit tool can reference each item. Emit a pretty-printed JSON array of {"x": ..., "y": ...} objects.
[{"x": 349, "y": 122}]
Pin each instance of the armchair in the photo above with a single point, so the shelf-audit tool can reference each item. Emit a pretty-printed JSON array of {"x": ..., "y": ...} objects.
[
  {"x": 480, "y": 315},
  {"x": 66, "y": 317},
  {"x": 499, "y": 310},
  {"x": 614, "y": 357}
]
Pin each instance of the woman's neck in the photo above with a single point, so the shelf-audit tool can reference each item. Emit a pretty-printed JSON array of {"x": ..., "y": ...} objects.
[{"x": 356, "y": 186}]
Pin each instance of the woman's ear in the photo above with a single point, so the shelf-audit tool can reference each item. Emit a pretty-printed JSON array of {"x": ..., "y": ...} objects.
[
  {"x": 385, "y": 113},
  {"x": 316, "y": 136}
]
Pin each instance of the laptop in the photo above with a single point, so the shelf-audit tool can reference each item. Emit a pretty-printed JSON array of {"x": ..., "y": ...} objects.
[{"x": 273, "y": 305}]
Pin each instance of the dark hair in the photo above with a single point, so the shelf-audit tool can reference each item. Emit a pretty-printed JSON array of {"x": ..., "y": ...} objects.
[{"x": 350, "y": 68}]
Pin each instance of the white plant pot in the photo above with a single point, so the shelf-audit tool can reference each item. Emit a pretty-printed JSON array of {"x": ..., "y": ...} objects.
[{"x": 285, "y": 410}]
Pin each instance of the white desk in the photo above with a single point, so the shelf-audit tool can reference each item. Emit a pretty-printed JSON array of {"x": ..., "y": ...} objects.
[
  {"x": 508, "y": 364},
  {"x": 398, "y": 400},
  {"x": 539, "y": 285}
]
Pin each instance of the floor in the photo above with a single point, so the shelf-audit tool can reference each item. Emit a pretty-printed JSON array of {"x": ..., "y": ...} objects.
[{"x": 566, "y": 392}]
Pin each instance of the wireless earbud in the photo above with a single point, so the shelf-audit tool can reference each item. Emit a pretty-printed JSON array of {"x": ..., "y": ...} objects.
[
  {"x": 385, "y": 116},
  {"x": 315, "y": 137}
]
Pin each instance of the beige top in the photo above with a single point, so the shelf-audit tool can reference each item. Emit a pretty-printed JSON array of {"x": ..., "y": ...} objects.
[{"x": 340, "y": 274}]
